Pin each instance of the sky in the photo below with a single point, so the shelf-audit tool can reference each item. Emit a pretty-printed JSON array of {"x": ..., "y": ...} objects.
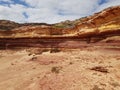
[{"x": 51, "y": 11}]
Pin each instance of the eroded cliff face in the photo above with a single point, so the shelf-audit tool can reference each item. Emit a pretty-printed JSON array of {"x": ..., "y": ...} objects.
[
  {"x": 105, "y": 21},
  {"x": 102, "y": 26}
]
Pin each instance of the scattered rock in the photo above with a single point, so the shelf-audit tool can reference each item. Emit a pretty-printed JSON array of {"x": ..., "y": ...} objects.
[
  {"x": 34, "y": 68},
  {"x": 71, "y": 63},
  {"x": 100, "y": 69},
  {"x": 97, "y": 88},
  {"x": 33, "y": 59},
  {"x": 29, "y": 54},
  {"x": 54, "y": 50},
  {"x": 12, "y": 64},
  {"x": 115, "y": 84}
]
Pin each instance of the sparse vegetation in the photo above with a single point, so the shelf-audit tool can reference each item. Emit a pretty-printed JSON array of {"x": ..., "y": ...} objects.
[
  {"x": 59, "y": 26},
  {"x": 65, "y": 24},
  {"x": 69, "y": 24},
  {"x": 56, "y": 69}
]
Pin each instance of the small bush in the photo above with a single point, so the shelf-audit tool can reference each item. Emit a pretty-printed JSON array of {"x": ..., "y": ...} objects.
[{"x": 56, "y": 69}]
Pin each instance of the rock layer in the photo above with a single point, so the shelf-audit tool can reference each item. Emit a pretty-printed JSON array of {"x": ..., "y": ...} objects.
[{"x": 91, "y": 29}]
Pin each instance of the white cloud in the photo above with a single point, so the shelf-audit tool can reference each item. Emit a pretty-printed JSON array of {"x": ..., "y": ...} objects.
[
  {"x": 52, "y": 11},
  {"x": 14, "y": 13}
]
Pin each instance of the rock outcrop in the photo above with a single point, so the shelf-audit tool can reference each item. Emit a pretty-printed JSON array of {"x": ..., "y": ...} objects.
[{"x": 100, "y": 26}]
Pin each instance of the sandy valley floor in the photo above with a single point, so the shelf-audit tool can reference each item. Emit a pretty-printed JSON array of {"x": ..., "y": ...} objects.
[{"x": 78, "y": 69}]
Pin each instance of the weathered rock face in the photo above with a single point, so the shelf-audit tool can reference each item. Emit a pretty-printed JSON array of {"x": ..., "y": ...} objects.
[
  {"x": 105, "y": 21},
  {"x": 92, "y": 28},
  {"x": 8, "y": 25}
]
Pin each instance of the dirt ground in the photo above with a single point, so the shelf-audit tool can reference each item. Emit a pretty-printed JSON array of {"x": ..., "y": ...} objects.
[{"x": 90, "y": 68}]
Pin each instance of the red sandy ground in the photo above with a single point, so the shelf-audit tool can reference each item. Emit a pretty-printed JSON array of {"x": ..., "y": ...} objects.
[{"x": 65, "y": 70}]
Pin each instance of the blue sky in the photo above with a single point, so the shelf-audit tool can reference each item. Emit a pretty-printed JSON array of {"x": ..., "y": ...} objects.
[{"x": 51, "y": 11}]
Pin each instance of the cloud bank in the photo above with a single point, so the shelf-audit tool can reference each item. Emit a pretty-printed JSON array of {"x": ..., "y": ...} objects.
[{"x": 51, "y": 11}]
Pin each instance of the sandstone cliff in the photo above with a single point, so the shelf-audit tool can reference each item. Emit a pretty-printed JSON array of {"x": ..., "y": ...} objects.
[
  {"x": 102, "y": 27},
  {"x": 106, "y": 21}
]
